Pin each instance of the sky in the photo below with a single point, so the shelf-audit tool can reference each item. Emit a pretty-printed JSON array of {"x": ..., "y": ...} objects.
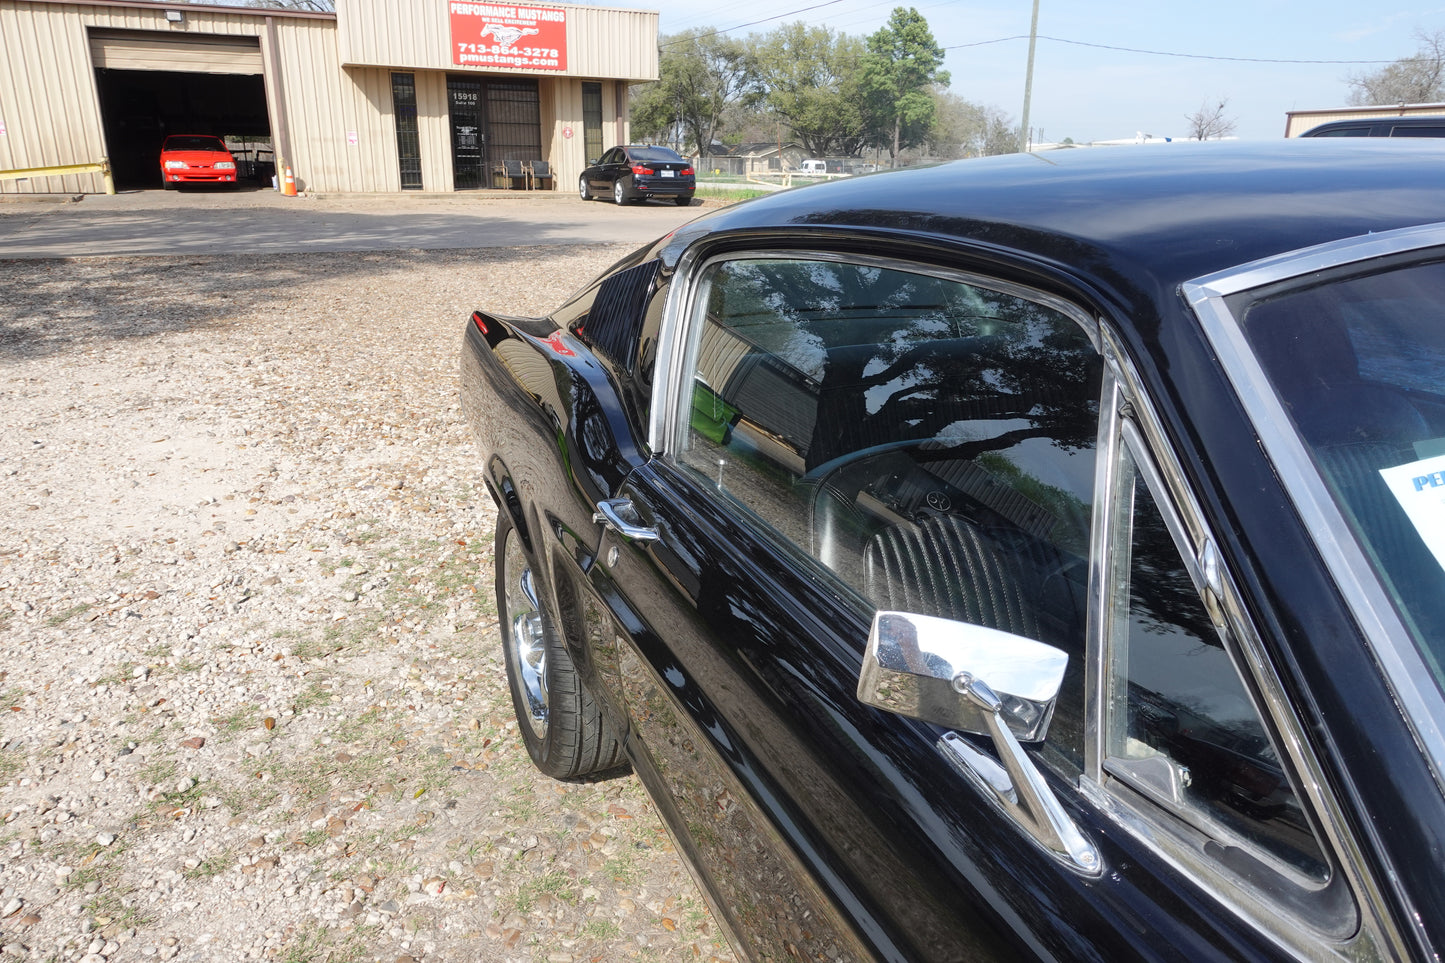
[{"x": 1090, "y": 93}]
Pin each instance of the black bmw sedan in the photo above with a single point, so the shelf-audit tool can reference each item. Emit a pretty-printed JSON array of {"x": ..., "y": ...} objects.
[
  {"x": 631, "y": 173},
  {"x": 1039, "y": 557}
]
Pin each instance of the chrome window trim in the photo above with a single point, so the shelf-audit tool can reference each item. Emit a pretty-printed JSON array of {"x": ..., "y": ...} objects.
[
  {"x": 1404, "y": 668},
  {"x": 677, "y": 347},
  {"x": 1377, "y": 935}
]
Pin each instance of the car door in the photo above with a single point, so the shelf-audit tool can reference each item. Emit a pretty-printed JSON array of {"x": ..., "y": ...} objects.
[
  {"x": 601, "y": 174},
  {"x": 839, "y": 434}
]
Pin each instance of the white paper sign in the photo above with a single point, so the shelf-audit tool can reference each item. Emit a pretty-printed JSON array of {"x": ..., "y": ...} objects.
[{"x": 1420, "y": 489}]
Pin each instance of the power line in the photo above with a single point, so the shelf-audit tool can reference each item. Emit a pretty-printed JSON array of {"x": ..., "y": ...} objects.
[
  {"x": 1167, "y": 53},
  {"x": 754, "y": 23}
]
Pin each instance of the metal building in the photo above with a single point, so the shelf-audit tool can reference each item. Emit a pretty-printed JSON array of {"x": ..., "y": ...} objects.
[{"x": 383, "y": 95}]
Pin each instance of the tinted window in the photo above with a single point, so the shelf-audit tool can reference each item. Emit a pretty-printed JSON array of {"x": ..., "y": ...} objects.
[
  {"x": 1339, "y": 132},
  {"x": 929, "y": 441},
  {"x": 1417, "y": 131},
  {"x": 187, "y": 142},
  {"x": 661, "y": 154}
]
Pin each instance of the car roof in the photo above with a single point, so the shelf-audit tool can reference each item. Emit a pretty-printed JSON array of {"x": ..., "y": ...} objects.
[
  {"x": 1147, "y": 215},
  {"x": 1413, "y": 120}
]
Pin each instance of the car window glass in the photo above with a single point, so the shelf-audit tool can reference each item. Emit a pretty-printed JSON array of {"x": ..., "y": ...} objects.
[
  {"x": 659, "y": 154},
  {"x": 1417, "y": 131},
  {"x": 1341, "y": 132},
  {"x": 1358, "y": 362},
  {"x": 1181, "y": 727},
  {"x": 928, "y": 440}
]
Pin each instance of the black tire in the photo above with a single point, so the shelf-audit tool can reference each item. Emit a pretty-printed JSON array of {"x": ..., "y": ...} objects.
[
  {"x": 584, "y": 191},
  {"x": 619, "y": 192},
  {"x": 682, "y": 201},
  {"x": 563, "y": 727},
  {"x": 167, "y": 184}
]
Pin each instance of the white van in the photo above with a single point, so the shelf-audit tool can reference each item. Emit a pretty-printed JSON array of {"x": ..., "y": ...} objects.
[{"x": 814, "y": 167}]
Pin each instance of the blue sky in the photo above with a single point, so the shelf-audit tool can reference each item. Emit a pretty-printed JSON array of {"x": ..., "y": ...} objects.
[{"x": 1089, "y": 93}]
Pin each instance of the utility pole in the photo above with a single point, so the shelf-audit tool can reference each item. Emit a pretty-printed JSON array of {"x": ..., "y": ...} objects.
[{"x": 1029, "y": 77}]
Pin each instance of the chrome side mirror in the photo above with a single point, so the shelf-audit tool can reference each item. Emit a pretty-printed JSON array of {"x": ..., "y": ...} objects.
[
  {"x": 924, "y": 667},
  {"x": 985, "y": 682}
]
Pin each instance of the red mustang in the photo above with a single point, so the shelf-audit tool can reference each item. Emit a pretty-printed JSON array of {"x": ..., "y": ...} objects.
[{"x": 196, "y": 159}]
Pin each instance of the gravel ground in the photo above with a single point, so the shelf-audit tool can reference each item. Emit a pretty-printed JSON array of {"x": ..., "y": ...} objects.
[{"x": 252, "y": 704}]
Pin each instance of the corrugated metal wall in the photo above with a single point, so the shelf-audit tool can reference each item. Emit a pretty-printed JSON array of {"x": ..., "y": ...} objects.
[
  {"x": 48, "y": 102},
  {"x": 416, "y": 34}
]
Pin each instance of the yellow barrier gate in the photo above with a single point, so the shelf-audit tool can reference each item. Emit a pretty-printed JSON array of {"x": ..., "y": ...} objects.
[{"x": 102, "y": 168}]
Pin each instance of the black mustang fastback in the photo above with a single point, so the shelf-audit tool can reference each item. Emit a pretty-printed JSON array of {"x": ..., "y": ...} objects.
[{"x": 1038, "y": 557}]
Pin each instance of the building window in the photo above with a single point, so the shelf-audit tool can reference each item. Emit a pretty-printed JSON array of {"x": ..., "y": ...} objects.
[
  {"x": 408, "y": 139},
  {"x": 592, "y": 120},
  {"x": 514, "y": 121}
]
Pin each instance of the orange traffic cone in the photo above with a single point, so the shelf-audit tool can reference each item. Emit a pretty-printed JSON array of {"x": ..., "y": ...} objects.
[{"x": 288, "y": 184}]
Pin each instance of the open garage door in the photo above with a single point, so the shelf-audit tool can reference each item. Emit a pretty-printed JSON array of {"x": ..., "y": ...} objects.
[{"x": 153, "y": 84}]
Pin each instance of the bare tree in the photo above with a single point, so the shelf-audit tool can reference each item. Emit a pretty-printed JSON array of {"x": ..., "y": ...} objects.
[
  {"x": 1411, "y": 80},
  {"x": 1209, "y": 121}
]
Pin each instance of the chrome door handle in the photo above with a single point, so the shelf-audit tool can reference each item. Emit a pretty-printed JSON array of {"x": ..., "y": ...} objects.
[{"x": 614, "y": 514}]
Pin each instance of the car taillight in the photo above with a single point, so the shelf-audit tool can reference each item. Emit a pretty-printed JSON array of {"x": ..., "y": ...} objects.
[
  {"x": 686, "y": 172},
  {"x": 641, "y": 171}
]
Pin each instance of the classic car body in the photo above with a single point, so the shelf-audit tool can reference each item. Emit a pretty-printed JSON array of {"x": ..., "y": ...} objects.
[{"x": 996, "y": 561}]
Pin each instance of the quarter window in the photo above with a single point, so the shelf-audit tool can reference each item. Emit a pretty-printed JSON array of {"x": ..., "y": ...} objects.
[{"x": 1181, "y": 727}]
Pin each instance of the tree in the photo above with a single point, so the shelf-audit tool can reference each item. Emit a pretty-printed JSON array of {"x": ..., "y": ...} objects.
[
  {"x": 899, "y": 72},
  {"x": 962, "y": 128},
  {"x": 1209, "y": 121},
  {"x": 811, "y": 78},
  {"x": 701, "y": 75},
  {"x": 1412, "y": 80}
]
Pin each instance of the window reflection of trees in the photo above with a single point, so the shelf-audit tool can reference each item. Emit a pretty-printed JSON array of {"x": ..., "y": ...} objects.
[{"x": 899, "y": 356}]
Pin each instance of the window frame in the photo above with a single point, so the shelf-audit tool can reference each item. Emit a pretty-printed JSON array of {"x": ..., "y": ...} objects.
[{"x": 1389, "y": 642}]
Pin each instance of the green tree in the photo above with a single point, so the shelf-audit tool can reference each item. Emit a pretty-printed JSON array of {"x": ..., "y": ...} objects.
[
  {"x": 701, "y": 76},
  {"x": 811, "y": 76},
  {"x": 1412, "y": 80},
  {"x": 962, "y": 128},
  {"x": 899, "y": 73}
]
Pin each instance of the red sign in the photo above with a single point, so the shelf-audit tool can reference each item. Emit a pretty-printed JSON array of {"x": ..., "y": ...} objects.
[{"x": 507, "y": 35}]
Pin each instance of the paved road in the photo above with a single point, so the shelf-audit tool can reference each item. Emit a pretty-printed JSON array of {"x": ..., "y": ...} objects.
[{"x": 209, "y": 222}]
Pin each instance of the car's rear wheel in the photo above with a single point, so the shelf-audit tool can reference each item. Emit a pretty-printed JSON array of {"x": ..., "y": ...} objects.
[
  {"x": 683, "y": 201},
  {"x": 619, "y": 192},
  {"x": 583, "y": 191},
  {"x": 562, "y": 725}
]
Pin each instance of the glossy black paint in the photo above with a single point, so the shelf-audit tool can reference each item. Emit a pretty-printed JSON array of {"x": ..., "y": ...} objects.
[{"x": 733, "y": 669}]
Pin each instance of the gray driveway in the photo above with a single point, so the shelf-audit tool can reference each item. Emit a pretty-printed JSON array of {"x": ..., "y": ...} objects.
[{"x": 212, "y": 222}]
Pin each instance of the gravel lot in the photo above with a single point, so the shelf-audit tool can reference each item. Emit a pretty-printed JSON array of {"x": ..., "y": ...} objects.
[{"x": 251, "y": 699}]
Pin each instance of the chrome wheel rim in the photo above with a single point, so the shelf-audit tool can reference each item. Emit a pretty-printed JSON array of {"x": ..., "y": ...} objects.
[
  {"x": 619, "y": 192},
  {"x": 526, "y": 642},
  {"x": 582, "y": 188}
]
